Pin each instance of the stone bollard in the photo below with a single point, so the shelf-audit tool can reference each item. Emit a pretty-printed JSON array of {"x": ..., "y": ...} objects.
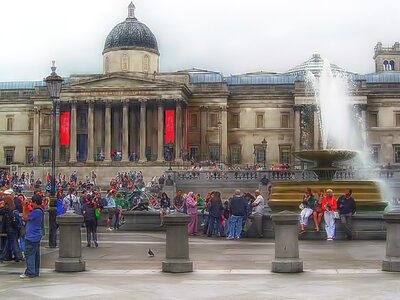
[
  {"x": 177, "y": 245},
  {"x": 286, "y": 243},
  {"x": 391, "y": 263},
  {"x": 70, "y": 249}
]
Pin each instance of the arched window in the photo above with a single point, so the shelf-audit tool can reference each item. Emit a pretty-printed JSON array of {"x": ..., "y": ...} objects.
[
  {"x": 125, "y": 62},
  {"x": 391, "y": 65},
  {"x": 385, "y": 65},
  {"x": 107, "y": 65},
  {"x": 146, "y": 63}
]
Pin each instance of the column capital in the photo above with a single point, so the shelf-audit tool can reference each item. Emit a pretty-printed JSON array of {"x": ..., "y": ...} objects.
[
  {"x": 224, "y": 107},
  {"x": 125, "y": 101},
  {"x": 107, "y": 103},
  {"x": 89, "y": 101},
  {"x": 298, "y": 107},
  {"x": 203, "y": 108},
  {"x": 142, "y": 100},
  {"x": 361, "y": 107},
  {"x": 36, "y": 109}
]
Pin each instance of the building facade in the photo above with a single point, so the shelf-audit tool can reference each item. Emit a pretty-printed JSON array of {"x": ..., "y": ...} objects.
[{"x": 134, "y": 113}]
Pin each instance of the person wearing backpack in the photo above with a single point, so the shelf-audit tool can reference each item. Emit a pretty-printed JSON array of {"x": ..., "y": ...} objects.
[
  {"x": 34, "y": 221},
  {"x": 13, "y": 224}
]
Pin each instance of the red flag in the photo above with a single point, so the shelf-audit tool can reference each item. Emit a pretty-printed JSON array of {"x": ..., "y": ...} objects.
[
  {"x": 65, "y": 119},
  {"x": 169, "y": 126}
]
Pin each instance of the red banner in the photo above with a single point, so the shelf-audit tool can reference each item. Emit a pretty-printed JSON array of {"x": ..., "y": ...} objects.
[
  {"x": 169, "y": 126},
  {"x": 65, "y": 119}
]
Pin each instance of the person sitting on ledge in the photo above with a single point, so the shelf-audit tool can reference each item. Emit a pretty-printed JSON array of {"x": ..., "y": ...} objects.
[
  {"x": 347, "y": 208},
  {"x": 307, "y": 209}
]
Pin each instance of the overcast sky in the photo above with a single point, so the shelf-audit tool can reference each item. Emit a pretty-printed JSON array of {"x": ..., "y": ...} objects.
[{"x": 231, "y": 36}]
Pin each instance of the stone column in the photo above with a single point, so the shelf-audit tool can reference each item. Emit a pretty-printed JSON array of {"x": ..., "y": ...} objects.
[
  {"x": 224, "y": 133},
  {"x": 36, "y": 134},
  {"x": 107, "y": 133},
  {"x": 203, "y": 132},
  {"x": 72, "y": 147},
  {"x": 286, "y": 243},
  {"x": 142, "y": 154},
  {"x": 391, "y": 263},
  {"x": 297, "y": 127},
  {"x": 90, "y": 133},
  {"x": 177, "y": 244},
  {"x": 178, "y": 130},
  {"x": 316, "y": 130},
  {"x": 125, "y": 131},
  {"x": 70, "y": 252},
  {"x": 160, "y": 132}
]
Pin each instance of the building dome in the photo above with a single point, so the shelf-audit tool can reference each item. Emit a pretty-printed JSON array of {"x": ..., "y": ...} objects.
[
  {"x": 315, "y": 65},
  {"x": 131, "y": 34}
]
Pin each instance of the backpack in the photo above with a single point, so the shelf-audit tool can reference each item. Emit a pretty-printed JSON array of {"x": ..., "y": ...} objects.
[
  {"x": 103, "y": 203},
  {"x": 16, "y": 220}
]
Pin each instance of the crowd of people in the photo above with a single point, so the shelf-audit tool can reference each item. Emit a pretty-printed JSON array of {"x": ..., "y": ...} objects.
[
  {"x": 230, "y": 218},
  {"x": 323, "y": 204}
]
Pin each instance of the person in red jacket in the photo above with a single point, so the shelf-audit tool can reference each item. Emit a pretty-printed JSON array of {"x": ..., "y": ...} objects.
[{"x": 329, "y": 206}]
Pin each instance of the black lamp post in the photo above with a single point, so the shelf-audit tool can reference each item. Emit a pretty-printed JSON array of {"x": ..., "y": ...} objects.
[
  {"x": 219, "y": 140},
  {"x": 53, "y": 83},
  {"x": 170, "y": 150},
  {"x": 264, "y": 145}
]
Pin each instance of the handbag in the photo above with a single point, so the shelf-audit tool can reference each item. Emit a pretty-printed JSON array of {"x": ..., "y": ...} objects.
[
  {"x": 336, "y": 215},
  {"x": 97, "y": 213}
]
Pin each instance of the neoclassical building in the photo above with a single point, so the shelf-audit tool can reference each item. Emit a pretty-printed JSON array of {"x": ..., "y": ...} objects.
[{"x": 131, "y": 112}]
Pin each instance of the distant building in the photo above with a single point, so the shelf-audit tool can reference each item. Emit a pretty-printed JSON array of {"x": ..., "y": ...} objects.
[{"x": 128, "y": 114}]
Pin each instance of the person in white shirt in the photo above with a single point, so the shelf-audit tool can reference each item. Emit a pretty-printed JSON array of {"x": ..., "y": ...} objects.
[{"x": 257, "y": 214}]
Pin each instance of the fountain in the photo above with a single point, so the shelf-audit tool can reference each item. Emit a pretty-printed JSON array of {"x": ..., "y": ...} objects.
[{"x": 342, "y": 138}]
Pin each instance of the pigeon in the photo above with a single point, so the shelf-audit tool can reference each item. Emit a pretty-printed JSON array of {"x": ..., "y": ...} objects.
[{"x": 150, "y": 253}]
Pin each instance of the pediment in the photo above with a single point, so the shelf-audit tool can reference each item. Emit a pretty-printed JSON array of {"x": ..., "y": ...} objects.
[{"x": 116, "y": 81}]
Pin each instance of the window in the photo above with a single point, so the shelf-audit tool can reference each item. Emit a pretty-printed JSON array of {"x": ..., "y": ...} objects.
[
  {"x": 30, "y": 123},
  {"x": 125, "y": 62},
  {"x": 260, "y": 121},
  {"x": 284, "y": 154},
  {"x": 46, "y": 121},
  {"x": 375, "y": 153},
  {"x": 214, "y": 153},
  {"x": 373, "y": 119},
  {"x": 194, "y": 153},
  {"x": 397, "y": 119},
  {"x": 146, "y": 63},
  {"x": 193, "y": 121},
  {"x": 235, "y": 122},
  {"x": 29, "y": 155},
  {"x": 391, "y": 65},
  {"x": 9, "y": 155},
  {"x": 396, "y": 151},
  {"x": 213, "y": 121},
  {"x": 235, "y": 155},
  {"x": 385, "y": 65},
  {"x": 45, "y": 154},
  {"x": 284, "y": 120},
  {"x": 260, "y": 155},
  {"x": 10, "y": 122},
  {"x": 82, "y": 120},
  {"x": 107, "y": 65}
]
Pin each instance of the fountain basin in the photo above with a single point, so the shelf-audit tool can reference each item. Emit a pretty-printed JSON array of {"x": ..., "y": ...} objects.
[{"x": 288, "y": 195}]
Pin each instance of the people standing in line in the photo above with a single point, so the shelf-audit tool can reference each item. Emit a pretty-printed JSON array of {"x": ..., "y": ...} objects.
[
  {"x": 318, "y": 211},
  {"x": 237, "y": 208},
  {"x": 34, "y": 220},
  {"x": 347, "y": 208},
  {"x": 329, "y": 205},
  {"x": 165, "y": 207},
  {"x": 179, "y": 202},
  {"x": 191, "y": 205},
  {"x": 89, "y": 216},
  {"x": 216, "y": 210},
  {"x": 110, "y": 198},
  {"x": 307, "y": 205},
  {"x": 7, "y": 210}
]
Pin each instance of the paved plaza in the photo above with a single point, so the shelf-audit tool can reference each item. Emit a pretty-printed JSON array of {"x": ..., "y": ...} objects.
[{"x": 121, "y": 269}]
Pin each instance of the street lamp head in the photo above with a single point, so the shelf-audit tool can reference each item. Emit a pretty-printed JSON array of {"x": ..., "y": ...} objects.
[
  {"x": 54, "y": 82},
  {"x": 264, "y": 142}
]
